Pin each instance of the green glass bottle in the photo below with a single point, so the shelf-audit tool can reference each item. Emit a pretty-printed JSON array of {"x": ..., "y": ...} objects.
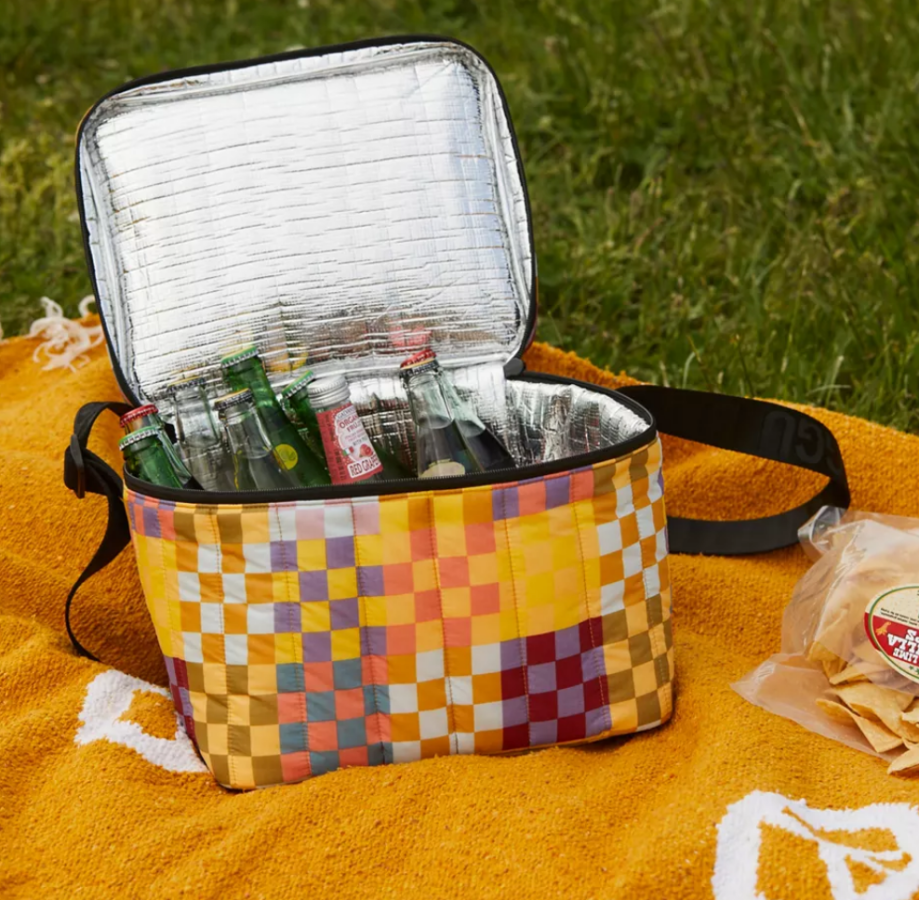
[
  {"x": 148, "y": 416},
  {"x": 297, "y": 402},
  {"x": 145, "y": 458},
  {"x": 244, "y": 370}
]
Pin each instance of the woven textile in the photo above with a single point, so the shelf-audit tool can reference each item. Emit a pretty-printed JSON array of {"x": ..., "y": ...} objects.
[{"x": 306, "y": 636}]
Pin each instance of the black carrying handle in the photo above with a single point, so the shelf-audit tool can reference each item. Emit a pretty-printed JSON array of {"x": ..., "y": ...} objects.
[
  {"x": 757, "y": 428},
  {"x": 85, "y": 472}
]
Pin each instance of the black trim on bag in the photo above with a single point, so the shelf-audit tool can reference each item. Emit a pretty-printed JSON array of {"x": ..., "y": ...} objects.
[
  {"x": 210, "y": 68},
  {"x": 418, "y": 485}
]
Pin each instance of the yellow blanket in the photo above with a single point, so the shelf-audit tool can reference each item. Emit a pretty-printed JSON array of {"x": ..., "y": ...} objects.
[{"x": 99, "y": 797}]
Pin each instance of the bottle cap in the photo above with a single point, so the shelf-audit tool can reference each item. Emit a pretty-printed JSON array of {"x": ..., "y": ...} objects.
[
  {"x": 296, "y": 386},
  {"x": 151, "y": 431},
  {"x": 328, "y": 391},
  {"x": 148, "y": 409},
  {"x": 194, "y": 381},
  {"x": 419, "y": 359},
  {"x": 234, "y": 399},
  {"x": 238, "y": 356}
]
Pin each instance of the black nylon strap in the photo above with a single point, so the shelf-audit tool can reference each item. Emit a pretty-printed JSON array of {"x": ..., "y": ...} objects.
[
  {"x": 84, "y": 472},
  {"x": 757, "y": 428}
]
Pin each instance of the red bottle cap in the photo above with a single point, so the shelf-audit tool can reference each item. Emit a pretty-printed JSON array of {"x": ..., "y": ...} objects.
[
  {"x": 419, "y": 358},
  {"x": 141, "y": 411}
]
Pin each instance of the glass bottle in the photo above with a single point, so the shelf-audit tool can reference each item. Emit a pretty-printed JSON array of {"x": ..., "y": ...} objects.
[
  {"x": 348, "y": 450},
  {"x": 439, "y": 446},
  {"x": 488, "y": 450},
  {"x": 145, "y": 457},
  {"x": 296, "y": 399},
  {"x": 256, "y": 464},
  {"x": 244, "y": 370},
  {"x": 200, "y": 443},
  {"x": 148, "y": 416}
]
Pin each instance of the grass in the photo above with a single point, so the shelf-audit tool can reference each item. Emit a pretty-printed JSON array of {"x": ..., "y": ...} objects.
[{"x": 725, "y": 194}]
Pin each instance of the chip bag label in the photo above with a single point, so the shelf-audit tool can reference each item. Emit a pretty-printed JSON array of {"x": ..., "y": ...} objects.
[{"x": 892, "y": 624}]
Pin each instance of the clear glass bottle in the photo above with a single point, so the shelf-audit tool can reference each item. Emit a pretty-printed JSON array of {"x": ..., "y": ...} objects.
[
  {"x": 244, "y": 370},
  {"x": 348, "y": 451},
  {"x": 145, "y": 457},
  {"x": 256, "y": 464},
  {"x": 200, "y": 441},
  {"x": 440, "y": 449}
]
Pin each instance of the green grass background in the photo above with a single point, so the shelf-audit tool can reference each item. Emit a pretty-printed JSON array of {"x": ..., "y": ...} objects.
[{"x": 724, "y": 193}]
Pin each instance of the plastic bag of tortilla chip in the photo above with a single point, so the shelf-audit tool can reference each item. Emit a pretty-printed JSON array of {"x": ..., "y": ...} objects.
[{"x": 849, "y": 666}]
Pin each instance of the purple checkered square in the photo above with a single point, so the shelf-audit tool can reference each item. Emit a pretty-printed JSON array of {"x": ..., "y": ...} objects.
[
  {"x": 283, "y": 556},
  {"x": 314, "y": 586},
  {"x": 287, "y": 618},
  {"x": 339, "y": 552}
]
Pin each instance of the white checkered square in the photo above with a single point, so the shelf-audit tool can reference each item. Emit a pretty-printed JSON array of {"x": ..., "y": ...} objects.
[
  {"x": 610, "y": 536},
  {"x": 612, "y": 597},
  {"x": 189, "y": 587},
  {"x": 488, "y": 716},
  {"x": 282, "y": 522},
  {"x": 191, "y": 642},
  {"x": 486, "y": 659},
  {"x": 208, "y": 558},
  {"x": 211, "y": 618},
  {"x": 236, "y": 649},
  {"x": 234, "y": 588},
  {"x": 257, "y": 557},
  {"x": 338, "y": 521},
  {"x": 403, "y": 698},
  {"x": 631, "y": 560},
  {"x": 645, "y": 517},
  {"x": 459, "y": 690},
  {"x": 406, "y": 751},
  {"x": 260, "y": 618},
  {"x": 433, "y": 723},
  {"x": 429, "y": 665}
]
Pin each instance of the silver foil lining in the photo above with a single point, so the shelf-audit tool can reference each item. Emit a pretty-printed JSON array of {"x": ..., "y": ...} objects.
[
  {"x": 339, "y": 208},
  {"x": 538, "y": 422}
]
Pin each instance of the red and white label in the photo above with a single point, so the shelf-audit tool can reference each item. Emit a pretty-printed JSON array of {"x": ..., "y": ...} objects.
[
  {"x": 348, "y": 451},
  {"x": 892, "y": 624}
]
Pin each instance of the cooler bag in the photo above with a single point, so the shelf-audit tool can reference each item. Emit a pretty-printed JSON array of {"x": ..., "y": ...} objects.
[{"x": 339, "y": 206}]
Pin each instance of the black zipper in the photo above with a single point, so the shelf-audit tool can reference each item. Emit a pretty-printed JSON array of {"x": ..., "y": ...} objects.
[
  {"x": 207, "y": 69},
  {"x": 407, "y": 485}
]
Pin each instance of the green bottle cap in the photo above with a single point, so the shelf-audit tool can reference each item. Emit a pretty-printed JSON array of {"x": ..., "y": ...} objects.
[
  {"x": 151, "y": 431},
  {"x": 296, "y": 386},
  {"x": 228, "y": 400},
  {"x": 238, "y": 357}
]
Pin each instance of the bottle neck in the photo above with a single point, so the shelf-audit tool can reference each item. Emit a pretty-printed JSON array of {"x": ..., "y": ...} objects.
[
  {"x": 244, "y": 430},
  {"x": 251, "y": 374},
  {"x": 429, "y": 407},
  {"x": 193, "y": 415}
]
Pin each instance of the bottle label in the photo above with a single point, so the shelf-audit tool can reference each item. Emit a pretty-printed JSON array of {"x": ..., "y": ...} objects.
[
  {"x": 348, "y": 451},
  {"x": 892, "y": 624},
  {"x": 443, "y": 469},
  {"x": 287, "y": 456}
]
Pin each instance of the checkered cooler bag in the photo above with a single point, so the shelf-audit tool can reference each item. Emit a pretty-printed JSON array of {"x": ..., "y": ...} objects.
[{"x": 332, "y": 204}]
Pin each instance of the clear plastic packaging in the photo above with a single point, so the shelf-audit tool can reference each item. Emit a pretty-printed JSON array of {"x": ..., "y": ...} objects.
[{"x": 849, "y": 666}]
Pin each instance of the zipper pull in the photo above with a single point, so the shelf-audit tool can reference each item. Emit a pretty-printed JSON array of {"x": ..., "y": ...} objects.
[{"x": 514, "y": 367}]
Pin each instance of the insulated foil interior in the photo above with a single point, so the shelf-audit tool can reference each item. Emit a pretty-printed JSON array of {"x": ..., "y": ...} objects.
[{"x": 340, "y": 208}]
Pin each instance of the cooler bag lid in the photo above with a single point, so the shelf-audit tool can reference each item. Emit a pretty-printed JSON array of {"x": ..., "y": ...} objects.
[{"x": 340, "y": 205}]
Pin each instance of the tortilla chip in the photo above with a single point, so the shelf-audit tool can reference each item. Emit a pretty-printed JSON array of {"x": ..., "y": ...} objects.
[
  {"x": 832, "y": 668},
  {"x": 911, "y": 714},
  {"x": 817, "y": 652},
  {"x": 876, "y": 702},
  {"x": 905, "y": 762},
  {"x": 876, "y": 734},
  {"x": 849, "y": 675}
]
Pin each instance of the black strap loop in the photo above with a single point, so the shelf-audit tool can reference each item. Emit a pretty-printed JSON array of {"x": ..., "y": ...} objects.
[
  {"x": 757, "y": 428},
  {"x": 85, "y": 472}
]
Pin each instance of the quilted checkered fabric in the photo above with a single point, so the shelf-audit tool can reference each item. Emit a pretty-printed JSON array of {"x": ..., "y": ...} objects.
[{"x": 305, "y": 636}]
